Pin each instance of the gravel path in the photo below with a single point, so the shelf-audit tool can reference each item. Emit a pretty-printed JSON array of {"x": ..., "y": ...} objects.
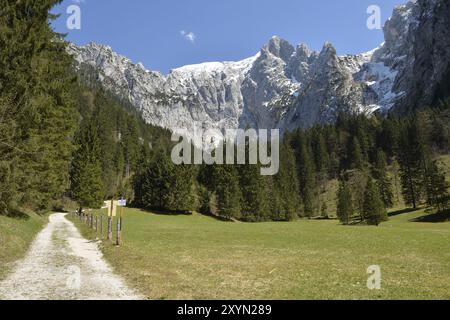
[{"x": 62, "y": 265}]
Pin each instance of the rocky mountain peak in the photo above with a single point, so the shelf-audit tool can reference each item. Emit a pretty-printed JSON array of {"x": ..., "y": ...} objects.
[
  {"x": 303, "y": 52},
  {"x": 280, "y": 48}
]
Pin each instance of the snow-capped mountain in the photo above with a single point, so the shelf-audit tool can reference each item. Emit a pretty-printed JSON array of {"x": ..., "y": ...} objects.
[{"x": 288, "y": 87}]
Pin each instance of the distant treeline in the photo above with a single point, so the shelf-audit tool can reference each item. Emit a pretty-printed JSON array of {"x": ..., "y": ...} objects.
[{"x": 369, "y": 156}]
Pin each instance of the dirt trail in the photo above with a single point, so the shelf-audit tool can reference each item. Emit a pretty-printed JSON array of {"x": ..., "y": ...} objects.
[{"x": 62, "y": 265}]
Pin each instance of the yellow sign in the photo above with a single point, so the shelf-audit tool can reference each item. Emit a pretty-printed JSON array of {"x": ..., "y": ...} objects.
[{"x": 112, "y": 207}]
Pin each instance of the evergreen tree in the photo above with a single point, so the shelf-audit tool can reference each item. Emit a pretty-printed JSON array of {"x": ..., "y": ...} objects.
[
  {"x": 8, "y": 187},
  {"x": 440, "y": 134},
  {"x": 254, "y": 201},
  {"x": 388, "y": 135},
  {"x": 356, "y": 158},
  {"x": 228, "y": 191},
  {"x": 204, "y": 203},
  {"x": 286, "y": 187},
  {"x": 396, "y": 179},
  {"x": 357, "y": 181},
  {"x": 383, "y": 181},
  {"x": 373, "y": 208},
  {"x": 306, "y": 178},
  {"x": 40, "y": 108},
  {"x": 345, "y": 209},
  {"x": 138, "y": 178},
  {"x": 157, "y": 181},
  {"x": 182, "y": 192},
  {"x": 411, "y": 157},
  {"x": 324, "y": 210},
  {"x": 85, "y": 175},
  {"x": 436, "y": 187},
  {"x": 274, "y": 199},
  {"x": 321, "y": 156}
]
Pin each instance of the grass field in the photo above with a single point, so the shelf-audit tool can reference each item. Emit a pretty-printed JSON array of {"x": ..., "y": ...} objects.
[
  {"x": 16, "y": 235},
  {"x": 197, "y": 257}
]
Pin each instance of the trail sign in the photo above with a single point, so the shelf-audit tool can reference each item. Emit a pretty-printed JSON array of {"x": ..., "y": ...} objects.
[{"x": 122, "y": 203}]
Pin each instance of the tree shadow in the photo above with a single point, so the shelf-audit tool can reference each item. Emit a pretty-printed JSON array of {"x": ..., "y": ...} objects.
[
  {"x": 162, "y": 212},
  {"x": 439, "y": 217},
  {"x": 18, "y": 214},
  {"x": 402, "y": 211}
]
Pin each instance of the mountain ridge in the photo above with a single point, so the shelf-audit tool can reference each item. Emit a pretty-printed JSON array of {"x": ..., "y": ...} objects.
[{"x": 282, "y": 86}]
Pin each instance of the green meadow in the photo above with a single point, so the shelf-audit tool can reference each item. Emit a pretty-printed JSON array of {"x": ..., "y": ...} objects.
[{"x": 198, "y": 257}]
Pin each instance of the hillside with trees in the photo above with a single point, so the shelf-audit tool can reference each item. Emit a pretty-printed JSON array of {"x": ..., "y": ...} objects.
[{"x": 380, "y": 162}]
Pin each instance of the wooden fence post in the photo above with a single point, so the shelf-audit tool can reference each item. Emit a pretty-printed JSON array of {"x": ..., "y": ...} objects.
[
  {"x": 119, "y": 230},
  {"x": 101, "y": 226},
  {"x": 109, "y": 228}
]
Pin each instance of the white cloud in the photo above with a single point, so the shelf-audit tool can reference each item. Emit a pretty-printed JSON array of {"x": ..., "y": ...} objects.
[{"x": 189, "y": 36}]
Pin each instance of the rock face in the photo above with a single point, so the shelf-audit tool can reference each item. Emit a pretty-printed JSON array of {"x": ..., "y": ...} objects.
[
  {"x": 286, "y": 87},
  {"x": 418, "y": 47}
]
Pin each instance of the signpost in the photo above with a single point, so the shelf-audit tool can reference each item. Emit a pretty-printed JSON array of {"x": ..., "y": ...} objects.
[{"x": 121, "y": 203}]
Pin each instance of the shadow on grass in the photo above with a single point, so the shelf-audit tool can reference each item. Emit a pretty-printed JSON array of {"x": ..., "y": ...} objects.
[
  {"x": 403, "y": 211},
  {"x": 164, "y": 212},
  {"x": 325, "y": 218},
  {"x": 18, "y": 214},
  {"x": 434, "y": 217}
]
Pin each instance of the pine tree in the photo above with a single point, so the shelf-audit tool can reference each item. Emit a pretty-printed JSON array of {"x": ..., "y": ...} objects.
[
  {"x": 85, "y": 175},
  {"x": 324, "y": 210},
  {"x": 356, "y": 158},
  {"x": 138, "y": 178},
  {"x": 286, "y": 187},
  {"x": 321, "y": 156},
  {"x": 389, "y": 135},
  {"x": 373, "y": 208},
  {"x": 357, "y": 181},
  {"x": 345, "y": 209},
  {"x": 396, "y": 179},
  {"x": 157, "y": 181},
  {"x": 436, "y": 187},
  {"x": 254, "y": 201},
  {"x": 204, "y": 202},
  {"x": 383, "y": 181},
  {"x": 41, "y": 102},
  {"x": 411, "y": 157},
  {"x": 8, "y": 187},
  {"x": 440, "y": 134},
  {"x": 306, "y": 179},
  {"x": 182, "y": 193},
  {"x": 274, "y": 199},
  {"x": 228, "y": 191}
]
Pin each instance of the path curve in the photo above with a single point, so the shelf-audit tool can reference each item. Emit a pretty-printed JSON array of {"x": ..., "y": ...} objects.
[{"x": 63, "y": 265}]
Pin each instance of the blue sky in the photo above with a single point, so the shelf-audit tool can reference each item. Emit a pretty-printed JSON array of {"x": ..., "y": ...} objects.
[{"x": 165, "y": 34}]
